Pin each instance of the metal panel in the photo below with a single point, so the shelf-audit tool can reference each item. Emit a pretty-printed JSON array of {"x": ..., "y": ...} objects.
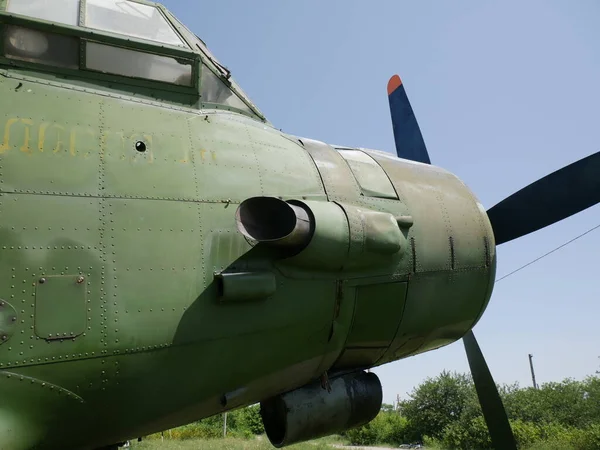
[
  {"x": 372, "y": 179},
  {"x": 60, "y": 306},
  {"x": 432, "y": 320},
  {"x": 381, "y": 304},
  {"x": 8, "y": 321},
  {"x": 337, "y": 177},
  {"x": 283, "y": 166},
  {"x": 145, "y": 144},
  {"x": 49, "y": 149},
  {"x": 442, "y": 208}
]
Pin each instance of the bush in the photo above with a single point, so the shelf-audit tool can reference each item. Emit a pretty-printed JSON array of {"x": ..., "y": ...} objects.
[
  {"x": 364, "y": 435},
  {"x": 444, "y": 412},
  {"x": 249, "y": 420},
  {"x": 467, "y": 435},
  {"x": 552, "y": 444},
  {"x": 388, "y": 427},
  {"x": 241, "y": 423},
  {"x": 570, "y": 403},
  {"x": 526, "y": 433},
  {"x": 431, "y": 443},
  {"x": 447, "y": 410},
  {"x": 587, "y": 439},
  {"x": 437, "y": 403}
]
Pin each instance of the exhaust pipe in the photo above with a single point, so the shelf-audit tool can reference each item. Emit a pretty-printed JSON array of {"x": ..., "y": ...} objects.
[{"x": 275, "y": 222}]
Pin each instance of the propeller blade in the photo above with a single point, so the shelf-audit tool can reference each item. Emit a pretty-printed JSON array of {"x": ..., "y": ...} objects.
[
  {"x": 491, "y": 403},
  {"x": 407, "y": 134},
  {"x": 551, "y": 199}
]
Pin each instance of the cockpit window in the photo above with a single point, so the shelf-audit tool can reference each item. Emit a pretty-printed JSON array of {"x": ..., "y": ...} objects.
[
  {"x": 61, "y": 11},
  {"x": 214, "y": 90},
  {"x": 125, "y": 17},
  {"x": 41, "y": 47},
  {"x": 133, "y": 63},
  {"x": 189, "y": 67},
  {"x": 130, "y": 19}
]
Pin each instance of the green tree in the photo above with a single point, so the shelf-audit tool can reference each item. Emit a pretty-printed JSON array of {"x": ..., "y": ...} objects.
[
  {"x": 386, "y": 407},
  {"x": 438, "y": 402},
  {"x": 250, "y": 420},
  {"x": 569, "y": 403},
  {"x": 388, "y": 427}
]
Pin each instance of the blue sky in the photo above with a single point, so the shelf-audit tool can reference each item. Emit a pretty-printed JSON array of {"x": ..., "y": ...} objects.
[{"x": 504, "y": 92}]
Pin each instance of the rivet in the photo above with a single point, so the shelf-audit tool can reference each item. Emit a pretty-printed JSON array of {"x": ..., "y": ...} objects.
[
  {"x": 80, "y": 280},
  {"x": 42, "y": 280}
]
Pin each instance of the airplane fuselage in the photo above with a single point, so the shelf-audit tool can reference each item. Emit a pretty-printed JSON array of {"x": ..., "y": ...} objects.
[{"x": 117, "y": 219}]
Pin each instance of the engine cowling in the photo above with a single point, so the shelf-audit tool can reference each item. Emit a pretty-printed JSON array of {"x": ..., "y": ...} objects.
[{"x": 322, "y": 235}]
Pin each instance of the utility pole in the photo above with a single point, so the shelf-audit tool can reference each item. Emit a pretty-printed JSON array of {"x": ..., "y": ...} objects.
[
  {"x": 225, "y": 425},
  {"x": 532, "y": 372}
]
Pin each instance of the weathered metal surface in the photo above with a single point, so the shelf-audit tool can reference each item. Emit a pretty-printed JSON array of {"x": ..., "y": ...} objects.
[
  {"x": 246, "y": 286},
  {"x": 60, "y": 306},
  {"x": 8, "y": 321},
  {"x": 381, "y": 304},
  {"x": 337, "y": 177},
  {"x": 369, "y": 175}
]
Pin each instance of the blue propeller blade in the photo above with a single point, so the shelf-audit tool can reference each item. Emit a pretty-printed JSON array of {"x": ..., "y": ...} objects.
[{"x": 407, "y": 134}]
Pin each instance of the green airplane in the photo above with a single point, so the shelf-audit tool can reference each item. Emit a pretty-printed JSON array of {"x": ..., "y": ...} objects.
[{"x": 166, "y": 254}]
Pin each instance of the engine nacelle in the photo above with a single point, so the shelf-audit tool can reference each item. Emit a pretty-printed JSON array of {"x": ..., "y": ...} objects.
[
  {"x": 322, "y": 235},
  {"x": 314, "y": 411}
]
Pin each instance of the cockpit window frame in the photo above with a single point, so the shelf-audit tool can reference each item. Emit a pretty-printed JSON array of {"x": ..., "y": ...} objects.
[
  {"x": 161, "y": 11},
  {"x": 112, "y": 39},
  {"x": 83, "y": 65},
  {"x": 191, "y": 39},
  {"x": 193, "y": 53},
  {"x": 81, "y": 21}
]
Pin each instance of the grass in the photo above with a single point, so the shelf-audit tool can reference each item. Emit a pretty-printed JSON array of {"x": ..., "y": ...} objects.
[{"x": 261, "y": 443}]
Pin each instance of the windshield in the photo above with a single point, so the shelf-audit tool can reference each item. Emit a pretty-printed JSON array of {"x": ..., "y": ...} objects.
[
  {"x": 61, "y": 11},
  {"x": 125, "y": 17},
  {"x": 132, "y": 19},
  {"x": 215, "y": 88}
]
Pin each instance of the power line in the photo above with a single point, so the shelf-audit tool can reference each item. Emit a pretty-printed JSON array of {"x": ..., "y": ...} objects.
[{"x": 549, "y": 253}]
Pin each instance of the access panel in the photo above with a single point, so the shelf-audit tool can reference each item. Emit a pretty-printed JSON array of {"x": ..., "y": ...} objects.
[
  {"x": 377, "y": 314},
  {"x": 60, "y": 306}
]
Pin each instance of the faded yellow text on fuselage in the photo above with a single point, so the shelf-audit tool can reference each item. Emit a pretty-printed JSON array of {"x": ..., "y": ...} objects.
[{"x": 26, "y": 136}]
